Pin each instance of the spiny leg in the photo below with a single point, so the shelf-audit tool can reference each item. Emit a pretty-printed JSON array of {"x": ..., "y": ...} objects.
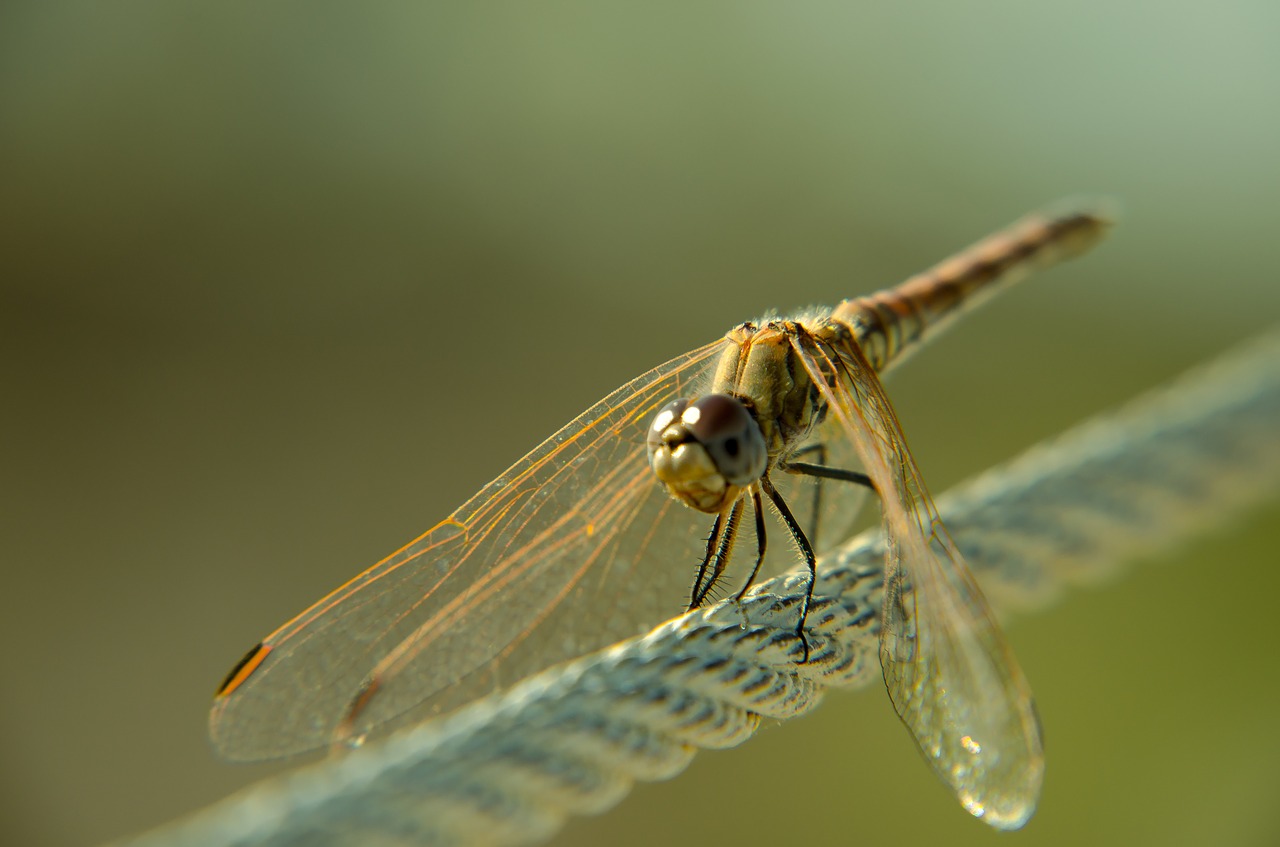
[
  {"x": 821, "y": 450},
  {"x": 719, "y": 558},
  {"x": 819, "y": 472},
  {"x": 713, "y": 540},
  {"x": 761, "y": 542},
  {"x": 823, "y": 472},
  {"x": 806, "y": 550},
  {"x": 719, "y": 547}
]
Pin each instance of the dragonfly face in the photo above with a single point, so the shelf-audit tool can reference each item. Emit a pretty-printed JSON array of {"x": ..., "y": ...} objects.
[{"x": 707, "y": 451}]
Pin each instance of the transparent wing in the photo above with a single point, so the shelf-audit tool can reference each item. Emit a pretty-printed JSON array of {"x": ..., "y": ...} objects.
[
  {"x": 951, "y": 676},
  {"x": 541, "y": 565}
]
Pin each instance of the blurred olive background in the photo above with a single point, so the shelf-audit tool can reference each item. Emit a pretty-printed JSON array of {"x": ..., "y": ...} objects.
[{"x": 282, "y": 284}]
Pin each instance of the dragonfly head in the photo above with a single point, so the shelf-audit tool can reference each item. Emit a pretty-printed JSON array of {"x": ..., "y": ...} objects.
[{"x": 706, "y": 451}]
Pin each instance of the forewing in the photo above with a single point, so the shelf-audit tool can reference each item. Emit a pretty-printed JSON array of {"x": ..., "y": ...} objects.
[
  {"x": 950, "y": 674},
  {"x": 542, "y": 565}
]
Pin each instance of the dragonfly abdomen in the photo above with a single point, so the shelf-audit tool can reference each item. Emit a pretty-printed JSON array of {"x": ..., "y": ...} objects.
[{"x": 890, "y": 323}]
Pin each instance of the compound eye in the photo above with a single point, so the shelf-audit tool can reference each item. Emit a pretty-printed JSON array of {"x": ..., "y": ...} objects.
[{"x": 730, "y": 435}]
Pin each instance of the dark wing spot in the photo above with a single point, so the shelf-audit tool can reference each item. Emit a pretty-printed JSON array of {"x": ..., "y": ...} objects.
[{"x": 243, "y": 668}]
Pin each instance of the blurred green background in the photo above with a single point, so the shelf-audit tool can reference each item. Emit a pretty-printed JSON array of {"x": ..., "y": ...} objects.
[{"x": 280, "y": 285}]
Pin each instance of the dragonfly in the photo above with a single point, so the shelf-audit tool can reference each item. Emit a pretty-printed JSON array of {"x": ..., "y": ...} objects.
[{"x": 578, "y": 544}]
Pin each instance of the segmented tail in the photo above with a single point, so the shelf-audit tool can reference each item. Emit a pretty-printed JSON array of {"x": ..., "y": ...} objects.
[{"x": 891, "y": 322}]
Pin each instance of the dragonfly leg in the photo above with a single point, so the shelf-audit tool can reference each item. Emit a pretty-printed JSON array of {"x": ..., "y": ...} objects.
[
  {"x": 824, "y": 472},
  {"x": 719, "y": 547},
  {"x": 819, "y": 472},
  {"x": 806, "y": 550},
  {"x": 761, "y": 542},
  {"x": 820, "y": 450},
  {"x": 713, "y": 541}
]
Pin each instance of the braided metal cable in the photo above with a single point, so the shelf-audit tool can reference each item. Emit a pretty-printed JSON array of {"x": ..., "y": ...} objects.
[{"x": 511, "y": 768}]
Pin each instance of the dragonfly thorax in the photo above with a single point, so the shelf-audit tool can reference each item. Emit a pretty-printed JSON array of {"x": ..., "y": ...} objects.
[
  {"x": 707, "y": 451},
  {"x": 759, "y": 365}
]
